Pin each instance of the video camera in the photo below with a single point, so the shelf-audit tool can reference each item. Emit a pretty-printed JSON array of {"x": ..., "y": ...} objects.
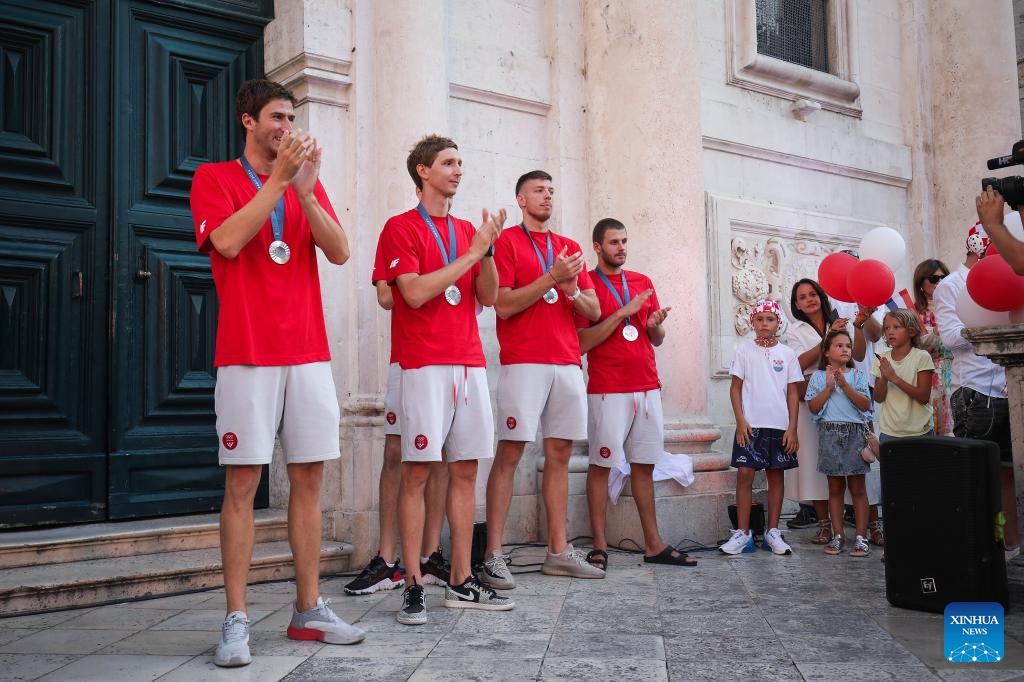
[{"x": 1012, "y": 187}]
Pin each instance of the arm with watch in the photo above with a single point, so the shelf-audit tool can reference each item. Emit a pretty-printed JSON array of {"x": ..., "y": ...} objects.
[{"x": 562, "y": 276}]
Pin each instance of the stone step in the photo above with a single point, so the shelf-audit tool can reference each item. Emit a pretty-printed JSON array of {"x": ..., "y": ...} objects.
[
  {"x": 127, "y": 538},
  {"x": 122, "y": 578}
]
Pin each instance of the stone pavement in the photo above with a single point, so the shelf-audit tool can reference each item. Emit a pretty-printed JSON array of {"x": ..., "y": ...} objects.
[{"x": 757, "y": 616}]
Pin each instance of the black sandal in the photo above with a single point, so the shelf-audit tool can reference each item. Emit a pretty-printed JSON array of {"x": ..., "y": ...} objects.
[
  {"x": 598, "y": 558},
  {"x": 665, "y": 557}
]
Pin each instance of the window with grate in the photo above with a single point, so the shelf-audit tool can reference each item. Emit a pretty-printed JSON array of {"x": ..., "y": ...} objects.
[{"x": 794, "y": 31}]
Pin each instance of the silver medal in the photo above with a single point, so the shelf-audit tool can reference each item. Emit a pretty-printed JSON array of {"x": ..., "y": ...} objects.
[
  {"x": 452, "y": 295},
  {"x": 630, "y": 333},
  {"x": 280, "y": 252},
  {"x": 551, "y": 296}
]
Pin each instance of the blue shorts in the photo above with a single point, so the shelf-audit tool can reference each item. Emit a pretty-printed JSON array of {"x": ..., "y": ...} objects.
[{"x": 764, "y": 451}]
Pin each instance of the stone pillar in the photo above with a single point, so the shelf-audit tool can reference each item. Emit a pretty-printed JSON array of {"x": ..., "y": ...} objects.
[
  {"x": 975, "y": 112},
  {"x": 643, "y": 84},
  {"x": 1005, "y": 346},
  {"x": 308, "y": 49}
]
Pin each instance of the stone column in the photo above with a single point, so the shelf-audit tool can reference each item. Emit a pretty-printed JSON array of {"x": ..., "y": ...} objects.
[
  {"x": 1005, "y": 346},
  {"x": 643, "y": 84},
  {"x": 308, "y": 49},
  {"x": 974, "y": 113}
]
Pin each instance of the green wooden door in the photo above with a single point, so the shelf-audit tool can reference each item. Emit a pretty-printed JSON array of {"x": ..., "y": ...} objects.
[{"x": 107, "y": 312}]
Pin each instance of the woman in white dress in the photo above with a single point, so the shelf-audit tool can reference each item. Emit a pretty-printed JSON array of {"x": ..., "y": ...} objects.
[{"x": 812, "y": 317}]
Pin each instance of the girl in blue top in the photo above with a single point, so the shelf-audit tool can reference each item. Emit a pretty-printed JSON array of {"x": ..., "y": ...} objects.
[{"x": 839, "y": 400}]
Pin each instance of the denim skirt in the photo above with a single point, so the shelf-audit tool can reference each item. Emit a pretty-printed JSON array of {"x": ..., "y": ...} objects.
[{"x": 839, "y": 446}]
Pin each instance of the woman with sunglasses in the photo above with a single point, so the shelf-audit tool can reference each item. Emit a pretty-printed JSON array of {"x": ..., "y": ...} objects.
[{"x": 927, "y": 276}]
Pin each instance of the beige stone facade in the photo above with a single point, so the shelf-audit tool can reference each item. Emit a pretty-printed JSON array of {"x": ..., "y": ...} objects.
[{"x": 734, "y": 172}]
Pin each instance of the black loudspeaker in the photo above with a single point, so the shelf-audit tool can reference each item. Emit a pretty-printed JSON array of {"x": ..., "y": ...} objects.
[
  {"x": 479, "y": 546},
  {"x": 941, "y": 506}
]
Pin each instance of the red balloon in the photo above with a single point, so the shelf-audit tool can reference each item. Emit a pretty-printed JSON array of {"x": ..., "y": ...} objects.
[
  {"x": 832, "y": 274},
  {"x": 871, "y": 283},
  {"x": 994, "y": 285},
  {"x": 991, "y": 250}
]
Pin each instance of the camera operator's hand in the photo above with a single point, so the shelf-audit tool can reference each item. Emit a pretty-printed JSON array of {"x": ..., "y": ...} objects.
[{"x": 990, "y": 208}]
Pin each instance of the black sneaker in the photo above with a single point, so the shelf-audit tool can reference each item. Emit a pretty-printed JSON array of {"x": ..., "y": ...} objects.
[
  {"x": 377, "y": 576},
  {"x": 474, "y": 595},
  {"x": 436, "y": 570},
  {"x": 805, "y": 518},
  {"x": 413, "y": 611}
]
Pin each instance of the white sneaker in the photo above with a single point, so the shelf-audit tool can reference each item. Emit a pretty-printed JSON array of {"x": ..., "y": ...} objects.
[
  {"x": 774, "y": 539},
  {"x": 572, "y": 563},
  {"x": 737, "y": 542},
  {"x": 233, "y": 650}
]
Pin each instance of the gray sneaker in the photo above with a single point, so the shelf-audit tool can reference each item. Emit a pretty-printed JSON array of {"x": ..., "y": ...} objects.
[
  {"x": 494, "y": 572},
  {"x": 321, "y": 624},
  {"x": 473, "y": 595},
  {"x": 570, "y": 562},
  {"x": 233, "y": 650}
]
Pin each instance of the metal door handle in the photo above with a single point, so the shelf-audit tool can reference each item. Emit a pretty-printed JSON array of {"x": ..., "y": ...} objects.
[{"x": 143, "y": 275}]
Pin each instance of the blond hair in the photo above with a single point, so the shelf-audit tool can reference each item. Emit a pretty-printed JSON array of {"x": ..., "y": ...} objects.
[{"x": 909, "y": 319}]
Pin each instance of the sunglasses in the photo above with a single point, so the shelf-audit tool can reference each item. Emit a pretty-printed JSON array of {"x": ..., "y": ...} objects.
[{"x": 934, "y": 279}]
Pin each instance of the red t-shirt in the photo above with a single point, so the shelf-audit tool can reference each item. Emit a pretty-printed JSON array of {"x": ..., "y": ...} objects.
[
  {"x": 270, "y": 314},
  {"x": 544, "y": 333},
  {"x": 380, "y": 275},
  {"x": 436, "y": 333},
  {"x": 618, "y": 365}
]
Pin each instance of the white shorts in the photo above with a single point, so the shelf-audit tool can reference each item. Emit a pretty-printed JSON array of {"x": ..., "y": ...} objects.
[
  {"x": 393, "y": 401},
  {"x": 297, "y": 402},
  {"x": 551, "y": 396},
  {"x": 446, "y": 407},
  {"x": 629, "y": 425}
]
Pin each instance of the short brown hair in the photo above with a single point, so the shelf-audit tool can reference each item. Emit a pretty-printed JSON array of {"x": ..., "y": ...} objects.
[
  {"x": 603, "y": 225},
  {"x": 425, "y": 152},
  {"x": 532, "y": 175},
  {"x": 255, "y": 94}
]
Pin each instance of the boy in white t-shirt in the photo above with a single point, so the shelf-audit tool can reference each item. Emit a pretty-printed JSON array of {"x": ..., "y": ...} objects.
[{"x": 765, "y": 378}]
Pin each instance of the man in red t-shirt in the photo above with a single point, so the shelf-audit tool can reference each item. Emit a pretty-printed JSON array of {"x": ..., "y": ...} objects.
[
  {"x": 440, "y": 267},
  {"x": 260, "y": 217},
  {"x": 384, "y": 572},
  {"x": 624, "y": 392},
  {"x": 542, "y": 285}
]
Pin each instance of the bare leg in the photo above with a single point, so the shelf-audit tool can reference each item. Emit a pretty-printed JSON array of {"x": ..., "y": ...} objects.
[
  {"x": 390, "y": 480},
  {"x": 836, "y": 492},
  {"x": 555, "y": 490},
  {"x": 641, "y": 482},
  {"x": 597, "y": 503},
  {"x": 436, "y": 492},
  {"x": 821, "y": 508},
  {"x": 461, "y": 507},
  {"x": 776, "y": 490},
  {"x": 305, "y": 529},
  {"x": 499, "y": 490},
  {"x": 238, "y": 531},
  {"x": 859, "y": 493},
  {"x": 410, "y": 516},
  {"x": 744, "y": 497}
]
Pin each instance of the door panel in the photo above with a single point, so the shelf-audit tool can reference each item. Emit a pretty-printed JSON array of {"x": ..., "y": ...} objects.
[
  {"x": 54, "y": 218},
  {"x": 186, "y": 68}
]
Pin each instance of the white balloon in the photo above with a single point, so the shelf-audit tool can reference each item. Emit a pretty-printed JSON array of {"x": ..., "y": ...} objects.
[
  {"x": 973, "y": 315},
  {"x": 884, "y": 244}
]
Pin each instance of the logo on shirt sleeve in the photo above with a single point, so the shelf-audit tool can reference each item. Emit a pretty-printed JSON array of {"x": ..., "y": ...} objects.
[
  {"x": 202, "y": 227},
  {"x": 393, "y": 263}
]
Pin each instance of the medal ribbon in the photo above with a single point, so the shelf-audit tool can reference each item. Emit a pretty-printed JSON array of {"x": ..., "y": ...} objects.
[
  {"x": 277, "y": 215},
  {"x": 544, "y": 265},
  {"x": 448, "y": 256},
  {"x": 625, "y": 290}
]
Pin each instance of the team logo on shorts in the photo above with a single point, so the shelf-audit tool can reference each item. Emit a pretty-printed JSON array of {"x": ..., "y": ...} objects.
[
  {"x": 511, "y": 423},
  {"x": 420, "y": 442},
  {"x": 778, "y": 364},
  {"x": 605, "y": 453},
  {"x": 391, "y": 417},
  {"x": 230, "y": 440}
]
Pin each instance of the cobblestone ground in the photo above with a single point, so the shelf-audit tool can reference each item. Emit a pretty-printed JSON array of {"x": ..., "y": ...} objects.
[{"x": 756, "y": 616}]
